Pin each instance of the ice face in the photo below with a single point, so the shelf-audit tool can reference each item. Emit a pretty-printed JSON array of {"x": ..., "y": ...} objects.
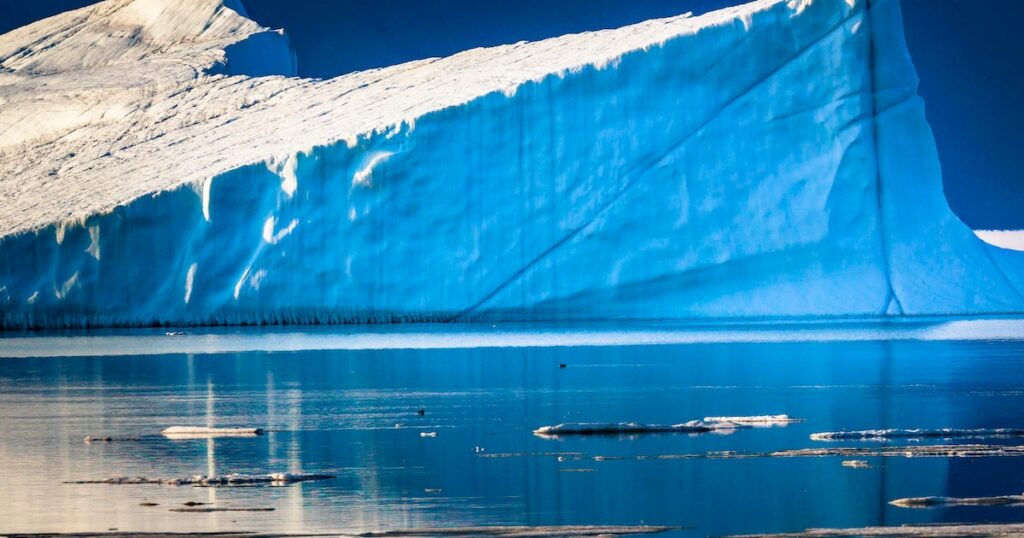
[{"x": 763, "y": 161}]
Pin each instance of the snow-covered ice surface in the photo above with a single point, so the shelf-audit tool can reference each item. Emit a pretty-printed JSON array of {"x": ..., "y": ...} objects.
[
  {"x": 1008, "y": 239},
  {"x": 159, "y": 165}
]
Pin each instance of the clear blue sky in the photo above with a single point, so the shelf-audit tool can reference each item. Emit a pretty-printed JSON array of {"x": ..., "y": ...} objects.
[{"x": 968, "y": 53}]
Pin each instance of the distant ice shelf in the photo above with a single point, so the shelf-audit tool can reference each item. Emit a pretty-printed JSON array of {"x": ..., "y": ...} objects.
[
  {"x": 219, "y": 340},
  {"x": 1008, "y": 239},
  {"x": 765, "y": 161}
]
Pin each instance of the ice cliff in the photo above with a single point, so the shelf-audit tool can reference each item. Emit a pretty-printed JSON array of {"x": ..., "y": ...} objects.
[{"x": 160, "y": 165}]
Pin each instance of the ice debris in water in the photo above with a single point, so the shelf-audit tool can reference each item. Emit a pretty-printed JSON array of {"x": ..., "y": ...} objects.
[
  {"x": 709, "y": 424},
  {"x": 856, "y": 464},
  {"x": 194, "y": 432},
  {"x": 928, "y": 502},
  {"x": 627, "y": 428},
  {"x": 233, "y": 479},
  {"x": 90, "y": 439},
  {"x": 522, "y": 531},
  {"x": 428, "y": 434},
  {"x": 944, "y": 433},
  {"x": 919, "y": 451},
  {"x": 211, "y": 509},
  {"x": 906, "y": 531}
]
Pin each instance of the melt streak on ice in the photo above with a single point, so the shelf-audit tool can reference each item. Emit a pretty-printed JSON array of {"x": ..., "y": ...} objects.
[{"x": 161, "y": 164}]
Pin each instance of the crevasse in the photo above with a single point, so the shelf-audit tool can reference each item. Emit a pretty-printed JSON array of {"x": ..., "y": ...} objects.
[{"x": 770, "y": 160}]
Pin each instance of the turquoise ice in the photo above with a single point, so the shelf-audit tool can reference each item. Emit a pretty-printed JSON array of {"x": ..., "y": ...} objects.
[{"x": 770, "y": 160}]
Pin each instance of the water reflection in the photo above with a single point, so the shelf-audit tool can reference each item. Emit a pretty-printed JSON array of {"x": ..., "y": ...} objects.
[{"x": 336, "y": 412}]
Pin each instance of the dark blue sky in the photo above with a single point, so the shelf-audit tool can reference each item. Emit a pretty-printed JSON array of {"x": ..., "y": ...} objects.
[{"x": 968, "y": 53}]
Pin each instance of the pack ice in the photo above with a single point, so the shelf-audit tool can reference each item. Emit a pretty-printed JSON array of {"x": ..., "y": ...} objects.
[{"x": 161, "y": 164}]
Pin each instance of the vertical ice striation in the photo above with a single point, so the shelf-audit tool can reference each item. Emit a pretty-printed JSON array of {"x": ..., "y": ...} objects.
[{"x": 767, "y": 160}]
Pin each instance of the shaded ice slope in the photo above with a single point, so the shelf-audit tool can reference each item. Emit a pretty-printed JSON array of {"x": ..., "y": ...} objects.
[{"x": 766, "y": 160}]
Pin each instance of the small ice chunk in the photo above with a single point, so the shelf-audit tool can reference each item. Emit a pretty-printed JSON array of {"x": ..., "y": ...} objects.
[
  {"x": 196, "y": 432},
  {"x": 120, "y": 480},
  {"x": 90, "y": 439},
  {"x": 298, "y": 477},
  {"x": 856, "y": 464},
  {"x": 428, "y": 434},
  {"x": 928, "y": 502}
]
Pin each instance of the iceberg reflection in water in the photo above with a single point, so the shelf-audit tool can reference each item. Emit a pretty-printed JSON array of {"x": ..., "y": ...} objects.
[{"x": 361, "y": 414}]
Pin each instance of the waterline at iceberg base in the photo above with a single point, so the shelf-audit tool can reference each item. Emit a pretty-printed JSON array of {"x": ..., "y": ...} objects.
[{"x": 769, "y": 160}]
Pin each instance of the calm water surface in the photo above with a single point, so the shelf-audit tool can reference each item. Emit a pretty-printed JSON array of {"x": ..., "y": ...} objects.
[{"x": 336, "y": 411}]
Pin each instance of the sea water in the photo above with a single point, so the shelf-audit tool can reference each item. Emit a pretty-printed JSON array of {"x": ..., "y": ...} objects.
[{"x": 348, "y": 402}]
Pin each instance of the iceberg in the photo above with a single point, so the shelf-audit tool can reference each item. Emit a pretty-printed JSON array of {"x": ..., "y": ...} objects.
[{"x": 160, "y": 164}]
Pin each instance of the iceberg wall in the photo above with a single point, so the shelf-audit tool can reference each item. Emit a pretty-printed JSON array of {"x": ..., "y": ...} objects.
[{"x": 769, "y": 160}]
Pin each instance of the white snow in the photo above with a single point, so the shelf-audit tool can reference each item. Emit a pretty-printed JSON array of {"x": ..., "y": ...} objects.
[
  {"x": 363, "y": 176},
  {"x": 181, "y": 126},
  {"x": 1008, "y": 239}
]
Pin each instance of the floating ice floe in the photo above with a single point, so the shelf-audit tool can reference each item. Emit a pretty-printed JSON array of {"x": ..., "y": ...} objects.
[
  {"x": 428, "y": 434},
  {"x": 944, "y": 433},
  {"x": 233, "y": 479},
  {"x": 756, "y": 421},
  {"x": 856, "y": 464},
  {"x": 211, "y": 509},
  {"x": 523, "y": 531},
  {"x": 193, "y": 432},
  {"x": 708, "y": 425},
  {"x": 929, "y": 502},
  {"x": 919, "y": 451},
  {"x": 907, "y": 531},
  {"x": 633, "y": 428}
]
